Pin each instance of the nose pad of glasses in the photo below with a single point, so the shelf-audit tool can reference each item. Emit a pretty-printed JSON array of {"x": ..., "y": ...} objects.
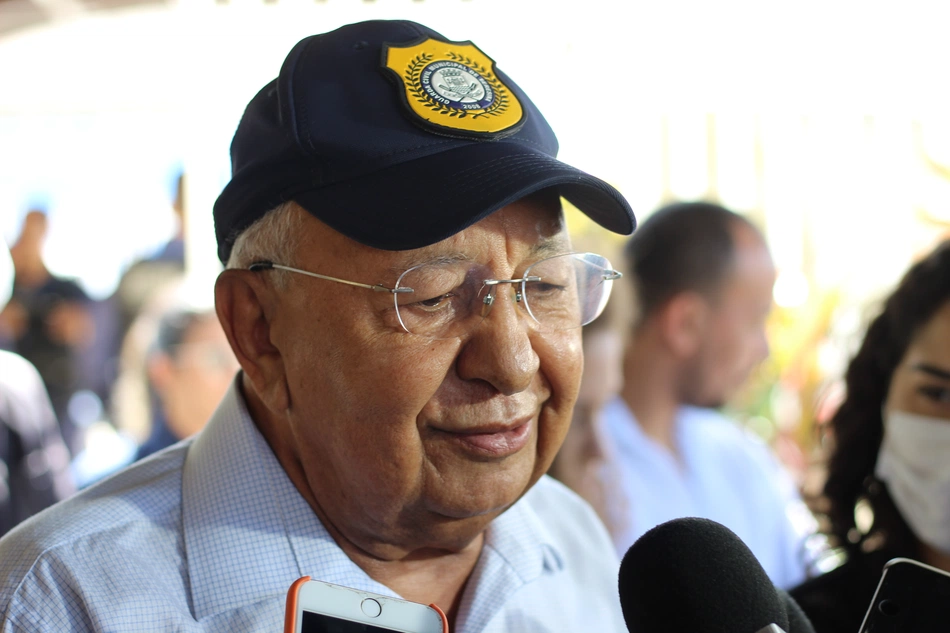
[{"x": 488, "y": 301}]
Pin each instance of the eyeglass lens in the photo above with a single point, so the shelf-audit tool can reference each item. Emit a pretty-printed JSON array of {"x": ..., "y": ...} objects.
[{"x": 449, "y": 299}]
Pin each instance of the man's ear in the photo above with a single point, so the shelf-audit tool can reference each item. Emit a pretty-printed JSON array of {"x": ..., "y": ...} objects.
[
  {"x": 246, "y": 308},
  {"x": 683, "y": 323}
]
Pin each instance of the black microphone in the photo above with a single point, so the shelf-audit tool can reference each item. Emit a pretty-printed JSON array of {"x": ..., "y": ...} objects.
[
  {"x": 798, "y": 622},
  {"x": 695, "y": 575}
]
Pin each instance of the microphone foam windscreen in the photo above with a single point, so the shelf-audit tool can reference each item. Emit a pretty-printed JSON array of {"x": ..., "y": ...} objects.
[
  {"x": 798, "y": 622},
  {"x": 695, "y": 575}
]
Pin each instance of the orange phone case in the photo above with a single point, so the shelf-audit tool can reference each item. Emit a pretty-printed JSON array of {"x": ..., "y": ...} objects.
[{"x": 290, "y": 617}]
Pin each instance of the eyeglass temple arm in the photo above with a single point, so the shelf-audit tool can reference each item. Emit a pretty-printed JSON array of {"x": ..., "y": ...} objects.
[{"x": 259, "y": 266}]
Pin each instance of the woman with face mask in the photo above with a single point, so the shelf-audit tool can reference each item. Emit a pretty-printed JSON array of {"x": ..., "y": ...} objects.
[{"x": 890, "y": 449}]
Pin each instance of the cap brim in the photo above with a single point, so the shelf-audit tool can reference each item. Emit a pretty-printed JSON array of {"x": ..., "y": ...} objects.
[{"x": 426, "y": 200}]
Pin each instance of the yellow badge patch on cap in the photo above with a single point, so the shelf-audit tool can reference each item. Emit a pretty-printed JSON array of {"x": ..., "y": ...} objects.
[{"x": 452, "y": 88}]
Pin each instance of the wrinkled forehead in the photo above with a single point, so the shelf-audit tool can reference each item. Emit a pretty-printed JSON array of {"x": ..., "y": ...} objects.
[
  {"x": 528, "y": 229},
  {"x": 532, "y": 227}
]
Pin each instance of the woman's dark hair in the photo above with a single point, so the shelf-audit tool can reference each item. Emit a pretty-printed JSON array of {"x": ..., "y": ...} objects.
[{"x": 857, "y": 426}]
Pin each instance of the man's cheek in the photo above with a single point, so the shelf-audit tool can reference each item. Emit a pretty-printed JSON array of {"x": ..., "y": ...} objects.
[
  {"x": 413, "y": 380},
  {"x": 562, "y": 363}
]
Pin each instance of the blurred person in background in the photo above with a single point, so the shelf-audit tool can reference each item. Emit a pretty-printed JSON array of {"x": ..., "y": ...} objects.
[
  {"x": 145, "y": 276},
  {"x": 887, "y": 492},
  {"x": 48, "y": 322},
  {"x": 34, "y": 460},
  {"x": 188, "y": 366},
  {"x": 584, "y": 462},
  {"x": 702, "y": 281},
  {"x": 175, "y": 366},
  {"x": 140, "y": 281}
]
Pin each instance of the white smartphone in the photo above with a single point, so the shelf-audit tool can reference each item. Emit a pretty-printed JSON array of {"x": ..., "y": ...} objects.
[
  {"x": 910, "y": 597},
  {"x": 314, "y": 606}
]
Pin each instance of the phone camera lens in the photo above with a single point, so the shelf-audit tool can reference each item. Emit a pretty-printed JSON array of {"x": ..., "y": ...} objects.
[{"x": 888, "y": 607}]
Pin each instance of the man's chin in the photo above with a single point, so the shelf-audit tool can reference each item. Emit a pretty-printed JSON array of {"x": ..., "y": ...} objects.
[
  {"x": 445, "y": 532},
  {"x": 462, "y": 489},
  {"x": 473, "y": 509},
  {"x": 479, "y": 502}
]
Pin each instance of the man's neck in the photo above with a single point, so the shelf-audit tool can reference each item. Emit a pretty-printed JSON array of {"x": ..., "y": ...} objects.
[
  {"x": 439, "y": 579},
  {"x": 649, "y": 393}
]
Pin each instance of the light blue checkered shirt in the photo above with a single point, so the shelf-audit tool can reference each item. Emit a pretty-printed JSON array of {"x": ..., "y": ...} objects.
[{"x": 209, "y": 535}]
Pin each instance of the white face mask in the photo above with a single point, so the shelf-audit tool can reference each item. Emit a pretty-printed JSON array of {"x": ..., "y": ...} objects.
[{"x": 914, "y": 462}]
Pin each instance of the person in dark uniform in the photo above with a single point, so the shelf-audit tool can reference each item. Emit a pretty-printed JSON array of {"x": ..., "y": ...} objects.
[
  {"x": 890, "y": 449},
  {"x": 49, "y": 322},
  {"x": 34, "y": 462}
]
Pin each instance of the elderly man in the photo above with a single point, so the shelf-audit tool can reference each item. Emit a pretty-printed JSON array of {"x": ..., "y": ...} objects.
[{"x": 402, "y": 300}]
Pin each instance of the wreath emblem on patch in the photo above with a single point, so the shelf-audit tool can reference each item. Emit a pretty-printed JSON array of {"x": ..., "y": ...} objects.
[{"x": 451, "y": 88}]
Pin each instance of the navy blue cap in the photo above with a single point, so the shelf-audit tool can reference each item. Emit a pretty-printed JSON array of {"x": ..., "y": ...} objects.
[{"x": 396, "y": 156}]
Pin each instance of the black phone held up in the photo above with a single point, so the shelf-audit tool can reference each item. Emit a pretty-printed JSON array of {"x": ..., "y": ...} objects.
[{"x": 911, "y": 598}]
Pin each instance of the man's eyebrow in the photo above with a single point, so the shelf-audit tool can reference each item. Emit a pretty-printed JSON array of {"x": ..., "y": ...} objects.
[
  {"x": 438, "y": 260},
  {"x": 549, "y": 247},
  {"x": 937, "y": 372}
]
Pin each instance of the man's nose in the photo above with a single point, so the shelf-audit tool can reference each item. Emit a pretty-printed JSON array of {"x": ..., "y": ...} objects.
[{"x": 499, "y": 350}]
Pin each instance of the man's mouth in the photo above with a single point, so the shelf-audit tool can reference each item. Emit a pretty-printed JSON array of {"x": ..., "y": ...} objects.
[{"x": 494, "y": 441}]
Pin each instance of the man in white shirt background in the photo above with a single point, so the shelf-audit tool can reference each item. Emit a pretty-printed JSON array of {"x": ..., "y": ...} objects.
[{"x": 702, "y": 278}]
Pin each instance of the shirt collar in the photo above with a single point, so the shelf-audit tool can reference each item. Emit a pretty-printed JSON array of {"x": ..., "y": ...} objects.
[
  {"x": 518, "y": 549},
  {"x": 235, "y": 541},
  {"x": 522, "y": 540}
]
